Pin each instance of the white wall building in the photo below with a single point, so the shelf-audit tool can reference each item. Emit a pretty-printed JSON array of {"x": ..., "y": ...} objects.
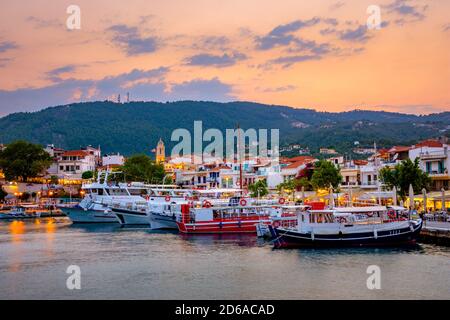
[
  {"x": 113, "y": 160},
  {"x": 434, "y": 159},
  {"x": 72, "y": 164},
  {"x": 369, "y": 176}
]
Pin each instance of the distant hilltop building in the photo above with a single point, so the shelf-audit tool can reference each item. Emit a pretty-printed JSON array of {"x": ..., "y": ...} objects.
[
  {"x": 160, "y": 152},
  {"x": 327, "y": 151},
  {"x": 364, "y": 150}
]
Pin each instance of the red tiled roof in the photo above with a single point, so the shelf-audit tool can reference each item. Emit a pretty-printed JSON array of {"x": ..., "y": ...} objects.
[
  {"x": 295, "y": 164},
  {"x": 75, "y": 153},
  {"x": 396, "y": 149},
  {"x": 222, "y": 167},
  {"x": 360, "y": 162},
  {"x": 303, "y": 159},
  {"x": 429, "y": 143}
]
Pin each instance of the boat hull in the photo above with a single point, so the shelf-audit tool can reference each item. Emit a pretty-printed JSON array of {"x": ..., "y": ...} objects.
[
  {"x": 130, "y": 217},
  {"x": 80, "y": 215},
  {"x": 285, "y": 238},
  {"x": 160, "y": 221},
  {"x": 221, "y": 226}
]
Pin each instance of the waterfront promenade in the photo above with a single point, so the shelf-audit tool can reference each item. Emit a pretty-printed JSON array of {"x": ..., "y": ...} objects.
[{"x": 435, "y": 232}]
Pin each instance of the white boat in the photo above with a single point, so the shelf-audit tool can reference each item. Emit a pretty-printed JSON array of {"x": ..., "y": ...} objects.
[
  {"x": 163, "y": 212},
  {"x": 159, "y": 200},
  {"x": 163, "y": 215},
  {"x": 163, "y": 203},
  {"x": 14, "y": 213},
  {"x": 284, "y": 215},
  {"x": 351, "y": 226},
  {"x": 100, "y": 195}
]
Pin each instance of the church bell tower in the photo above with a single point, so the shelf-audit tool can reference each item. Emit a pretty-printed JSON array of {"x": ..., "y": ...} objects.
[{"x": 160, "y": 152}]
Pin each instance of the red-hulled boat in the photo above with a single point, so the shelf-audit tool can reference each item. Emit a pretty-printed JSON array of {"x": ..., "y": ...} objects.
[{"x": 230, "y": 219}]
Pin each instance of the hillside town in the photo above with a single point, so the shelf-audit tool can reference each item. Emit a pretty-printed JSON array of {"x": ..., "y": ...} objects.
[{"x": 360, "y": 178}]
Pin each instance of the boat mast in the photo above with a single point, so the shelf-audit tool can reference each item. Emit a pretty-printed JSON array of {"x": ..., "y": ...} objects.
[{"x": 239, "y": 156}]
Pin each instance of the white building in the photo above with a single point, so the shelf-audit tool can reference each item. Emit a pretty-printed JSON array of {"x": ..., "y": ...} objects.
[
  {"x": 271, "y": 172},
  {"x": 113, "y": 160},
  {"x": 337, "y": 161},
  {"x": 434, "y": 159},
  {"x": 369, "y": 176},
  {"x": 72, "y": 164},
  {"x": 55, "y": 153}
]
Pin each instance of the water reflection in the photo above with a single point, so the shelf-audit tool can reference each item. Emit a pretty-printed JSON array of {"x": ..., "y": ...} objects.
[
  {"x": 95, "y": 227},
  {"x": 16, "y": 229},
  {"x": 241, "y": 240},
  {"x": 414, "y": 248},
  {"x": 127, "y": 263}
]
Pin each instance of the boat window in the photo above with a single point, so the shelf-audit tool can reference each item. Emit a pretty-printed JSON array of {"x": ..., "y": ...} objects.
[
  {"x": 100, "y": 192},
  {"x": 319, "y": 218}
]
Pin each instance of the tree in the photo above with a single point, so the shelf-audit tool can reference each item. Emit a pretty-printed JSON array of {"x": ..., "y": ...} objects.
[
  {"x": 3, "y": 194},
  {"x": 54, "y": 180},
  {"x": 258, "y": 189},
  {"x": 87, "y": 175},
  {"x": 325, "y": 173},
  {"x": 142, "y": 168},
  {"x": 289, "y": 186},
  {"x": 403, "y": 174},
  {"x": 21, "y": 160}
]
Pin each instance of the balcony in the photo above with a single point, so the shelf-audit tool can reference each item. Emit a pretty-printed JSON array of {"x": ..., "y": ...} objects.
[
  {"x": 436, "y": 155},
  {"x": 369, "y": 184},
  {"x": 350, "y": 184},
  {"x": 439, "y": 174}
]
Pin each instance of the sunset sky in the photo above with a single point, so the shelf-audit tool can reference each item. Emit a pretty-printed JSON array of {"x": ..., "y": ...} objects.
[{"x": 305, "y": 54}]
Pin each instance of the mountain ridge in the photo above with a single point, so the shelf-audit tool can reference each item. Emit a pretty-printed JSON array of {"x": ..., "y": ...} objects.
[{"x": 136, "y": 126}]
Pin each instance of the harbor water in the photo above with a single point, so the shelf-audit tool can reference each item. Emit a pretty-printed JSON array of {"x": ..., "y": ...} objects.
[{"x": 131, "y": 263}]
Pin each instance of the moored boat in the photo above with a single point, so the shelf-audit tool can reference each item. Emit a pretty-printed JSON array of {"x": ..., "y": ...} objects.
[
  {"x": 158, "y": 201},
  {"x": 229, "y": 219},
  {"x": 354, "y": 226},
  {"x": 100, "y": 195}
]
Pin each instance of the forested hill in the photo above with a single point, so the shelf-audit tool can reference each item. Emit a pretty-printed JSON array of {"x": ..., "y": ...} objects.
[{"x": 136, "y": 126}]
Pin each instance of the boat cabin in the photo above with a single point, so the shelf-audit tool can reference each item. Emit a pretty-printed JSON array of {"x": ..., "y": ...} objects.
[
  {"x": 229, "y": 212},
  {"x": 344, "y": 215}
]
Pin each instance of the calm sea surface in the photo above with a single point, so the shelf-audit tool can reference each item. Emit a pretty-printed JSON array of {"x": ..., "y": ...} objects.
[{"x": 121, "y": 263}]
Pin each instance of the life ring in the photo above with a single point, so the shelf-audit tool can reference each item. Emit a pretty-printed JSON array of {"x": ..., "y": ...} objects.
[
  {"x": 206, "y": 204},
  {"x": 147, "y": 197},
  {"x": 243, "y": 202},
  {"x": 276, "y": 224},
  {"x": 167, "y": 198},
  {"x": 281, "y": 201},
  {"x": 391, "y": 214}
]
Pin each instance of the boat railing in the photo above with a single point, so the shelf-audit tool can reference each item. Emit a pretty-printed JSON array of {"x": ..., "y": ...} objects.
[{"x": 132, "y": 206}]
